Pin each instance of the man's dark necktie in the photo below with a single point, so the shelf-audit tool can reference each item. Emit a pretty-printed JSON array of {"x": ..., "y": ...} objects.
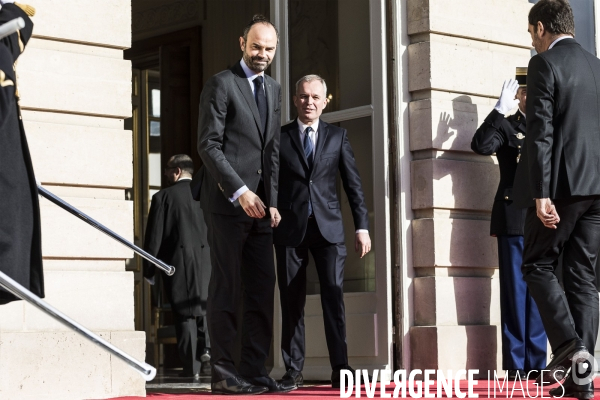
[
  {"x": 261, "y": 100},
  {"x": 308, "y": 152}
]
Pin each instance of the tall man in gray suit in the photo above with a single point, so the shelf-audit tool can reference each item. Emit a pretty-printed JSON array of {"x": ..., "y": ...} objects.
[{"x": 238, "y": 141}]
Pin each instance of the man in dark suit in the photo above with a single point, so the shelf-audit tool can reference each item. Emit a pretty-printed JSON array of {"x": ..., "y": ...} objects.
[
  {"x": 20, "y": 228},
  {"x": 238, "y": 141},
  {"x": 523, "y": 335},
  {"x": 311, "y": 154},
  {"x": 563, "y": 194},
  {"x": 176, "y": 234}
]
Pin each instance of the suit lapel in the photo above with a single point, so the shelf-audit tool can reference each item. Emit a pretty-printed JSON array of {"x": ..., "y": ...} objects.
[
  {"x": 242, "y": 83},
  {"x": 323, "y": 132},
  {"x": 295, "y": 136},
  {"x": 270, "y": 105}
]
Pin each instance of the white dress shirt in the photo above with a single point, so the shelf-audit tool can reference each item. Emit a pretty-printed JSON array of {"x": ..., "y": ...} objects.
[
  {"x": 558, "y": 40},
  {"x": 314, "y": 136},
  {"x": 250, "y": 76}
]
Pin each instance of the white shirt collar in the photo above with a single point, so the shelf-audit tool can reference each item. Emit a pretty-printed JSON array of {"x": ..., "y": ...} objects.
[
  {"x": 184, "y": 179},
  {"x": 249, "y": 73},
  {"x": 314, "y": 126},
  {"x": 522, "y": 113},
  {"x": 558, "y": 40}
]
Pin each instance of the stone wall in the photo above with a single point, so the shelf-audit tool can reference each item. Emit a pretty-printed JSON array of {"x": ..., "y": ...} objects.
[
  {"x": 460, "y": 52},
  {"x": 75, "y": 92}
]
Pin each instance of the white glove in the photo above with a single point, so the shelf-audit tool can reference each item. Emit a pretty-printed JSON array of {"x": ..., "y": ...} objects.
[{"x": 507, "y": 100}]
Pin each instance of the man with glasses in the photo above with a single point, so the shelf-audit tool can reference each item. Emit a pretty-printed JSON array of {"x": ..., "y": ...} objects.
[{"x": 176, "y": 234}]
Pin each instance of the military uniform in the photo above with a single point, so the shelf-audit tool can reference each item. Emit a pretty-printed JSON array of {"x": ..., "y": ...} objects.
[
  {"x": 523, "y": 335},
  {"x": 20, "y": 230}
]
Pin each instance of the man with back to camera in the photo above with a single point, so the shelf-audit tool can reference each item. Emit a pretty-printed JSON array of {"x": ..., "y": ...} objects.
[
  {"x": 176, "y": 234},
  {"x": 238, "y": 141},
  {"x": 311, "y": 154},
  {"x": 561, "y": 189},
  {"x": 20, "y": 227},
  {"x": 523, "y": 335}
]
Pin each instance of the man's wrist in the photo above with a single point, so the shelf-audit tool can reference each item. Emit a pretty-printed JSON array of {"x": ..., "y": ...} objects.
[{"x": 238, "y": 193}]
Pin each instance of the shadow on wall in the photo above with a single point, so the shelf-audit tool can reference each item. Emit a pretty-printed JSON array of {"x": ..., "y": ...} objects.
[{"x": 472, "y": 291}]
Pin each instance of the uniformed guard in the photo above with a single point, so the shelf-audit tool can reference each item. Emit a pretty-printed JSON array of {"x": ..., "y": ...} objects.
[
  {"x": 20, "y": 229},
  {"x": 523, "y": 335}
]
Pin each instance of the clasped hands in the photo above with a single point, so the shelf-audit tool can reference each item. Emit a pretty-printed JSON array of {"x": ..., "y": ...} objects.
[
  {"x": 546, "y": 212},
  {"x": 255, "y": 208}
]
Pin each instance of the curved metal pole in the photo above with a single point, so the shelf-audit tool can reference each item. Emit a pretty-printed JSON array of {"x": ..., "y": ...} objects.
[
  {"x": 169, "y": 270},
  {"x": 147, "y": 371}
]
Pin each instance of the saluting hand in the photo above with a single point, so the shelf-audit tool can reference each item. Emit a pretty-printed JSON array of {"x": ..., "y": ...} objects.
[
  {"x": 252, "y": 204},
  {"x": 507, "y": 100}
]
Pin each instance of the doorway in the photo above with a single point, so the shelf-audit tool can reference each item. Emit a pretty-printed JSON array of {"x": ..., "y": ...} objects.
[{"x": 167, "y": 81}]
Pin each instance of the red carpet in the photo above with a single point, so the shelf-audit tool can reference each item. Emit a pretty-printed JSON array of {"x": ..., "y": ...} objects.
[{"x": 316, "y": 392}]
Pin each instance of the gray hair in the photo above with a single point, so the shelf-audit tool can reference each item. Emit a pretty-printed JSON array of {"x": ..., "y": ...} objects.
[
  {"x": 310, "y": 78},
  {"x": 183, "y": 162}
]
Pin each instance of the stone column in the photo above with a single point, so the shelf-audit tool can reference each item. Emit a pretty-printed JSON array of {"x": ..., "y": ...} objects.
[
  {"x": 461, "y": 51},
  {"x": 75, "y": 92}
]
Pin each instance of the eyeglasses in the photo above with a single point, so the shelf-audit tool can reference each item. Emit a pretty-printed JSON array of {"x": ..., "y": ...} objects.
[{"x": 168, "y": 168}]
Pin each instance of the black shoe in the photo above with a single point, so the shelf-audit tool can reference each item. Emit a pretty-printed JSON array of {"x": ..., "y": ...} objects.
[
  {"x": 335, "y": 376},
  {"x": 573, "y": 351},
  {"x": 205, "y": 368},
  {"x": 293, "y": 377},
  {"x": 205, "y": 356},
  {"x": 569, "y": 389},
  {"x": 272, "y": 385},
  {"x": 513, "y": 374},
  {"x": 236, "y": 385}
]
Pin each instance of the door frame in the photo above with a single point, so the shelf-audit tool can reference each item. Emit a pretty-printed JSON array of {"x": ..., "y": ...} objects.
[{"x": 382, "y": 236}]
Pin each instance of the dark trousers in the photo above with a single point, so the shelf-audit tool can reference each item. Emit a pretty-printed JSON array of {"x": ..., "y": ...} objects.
[
  {"x": 190, "y": 345},
  {"x": 523, "y": 334},
  {"x": 241, "y": 252},
  {"x": 573, "y": 312},
  {"x": 291, "y": 270}
]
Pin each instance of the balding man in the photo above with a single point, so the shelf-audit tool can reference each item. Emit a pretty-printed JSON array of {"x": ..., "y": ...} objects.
[{"x": 311, "y": 154}]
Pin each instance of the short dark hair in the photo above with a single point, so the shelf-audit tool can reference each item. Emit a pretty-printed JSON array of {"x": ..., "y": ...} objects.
[
  {"x": 183, "y": 162},
  {"x": 258, "y": 19},
  {"x": 555, "y": 15}
]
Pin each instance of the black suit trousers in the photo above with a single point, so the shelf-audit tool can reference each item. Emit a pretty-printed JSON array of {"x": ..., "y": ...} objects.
[
  {"x": 572, "y": 312},
  {"x": 241, "y": 250},
  {"x": 186, "y": 330},
  {"x": 291, "y": 270}
]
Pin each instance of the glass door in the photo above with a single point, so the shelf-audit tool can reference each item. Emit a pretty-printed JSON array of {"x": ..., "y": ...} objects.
[{"x": 343, "y": 41}]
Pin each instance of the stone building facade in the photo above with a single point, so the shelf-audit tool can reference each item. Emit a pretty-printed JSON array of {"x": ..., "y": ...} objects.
[{"x": 430, "y": 70}]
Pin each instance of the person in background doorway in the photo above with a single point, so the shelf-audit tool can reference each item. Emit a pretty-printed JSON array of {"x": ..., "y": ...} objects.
[
  {"x": 176, "y": 234},
  {"x": 523, "y": 335}
]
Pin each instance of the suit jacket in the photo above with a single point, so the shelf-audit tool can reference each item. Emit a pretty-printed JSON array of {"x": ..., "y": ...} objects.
[
  {"x": 233, "y": 147},
  {"x": 176, "y": 234},
  {"x": 297, "y": 184},
  {"x": 20, "y": 228},
  {"x": 563, "y": 118},
  {"x": 505, "y": 137}
]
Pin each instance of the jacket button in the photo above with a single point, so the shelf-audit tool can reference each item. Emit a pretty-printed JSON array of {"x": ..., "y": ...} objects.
[
  {"x": 505, "y": 197},
  {"x": 519, "y": 146},
  {"x": 259, "y": 171}
]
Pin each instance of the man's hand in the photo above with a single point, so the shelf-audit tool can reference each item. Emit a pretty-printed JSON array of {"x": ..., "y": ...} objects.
[
  {"x": 507, "y": 100},
  {"x": 252, "y": 204},
  {"x": 546, "y": 212},
  {"x": 275, "y": 217},
  {"x": 362, "y": 243}
]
